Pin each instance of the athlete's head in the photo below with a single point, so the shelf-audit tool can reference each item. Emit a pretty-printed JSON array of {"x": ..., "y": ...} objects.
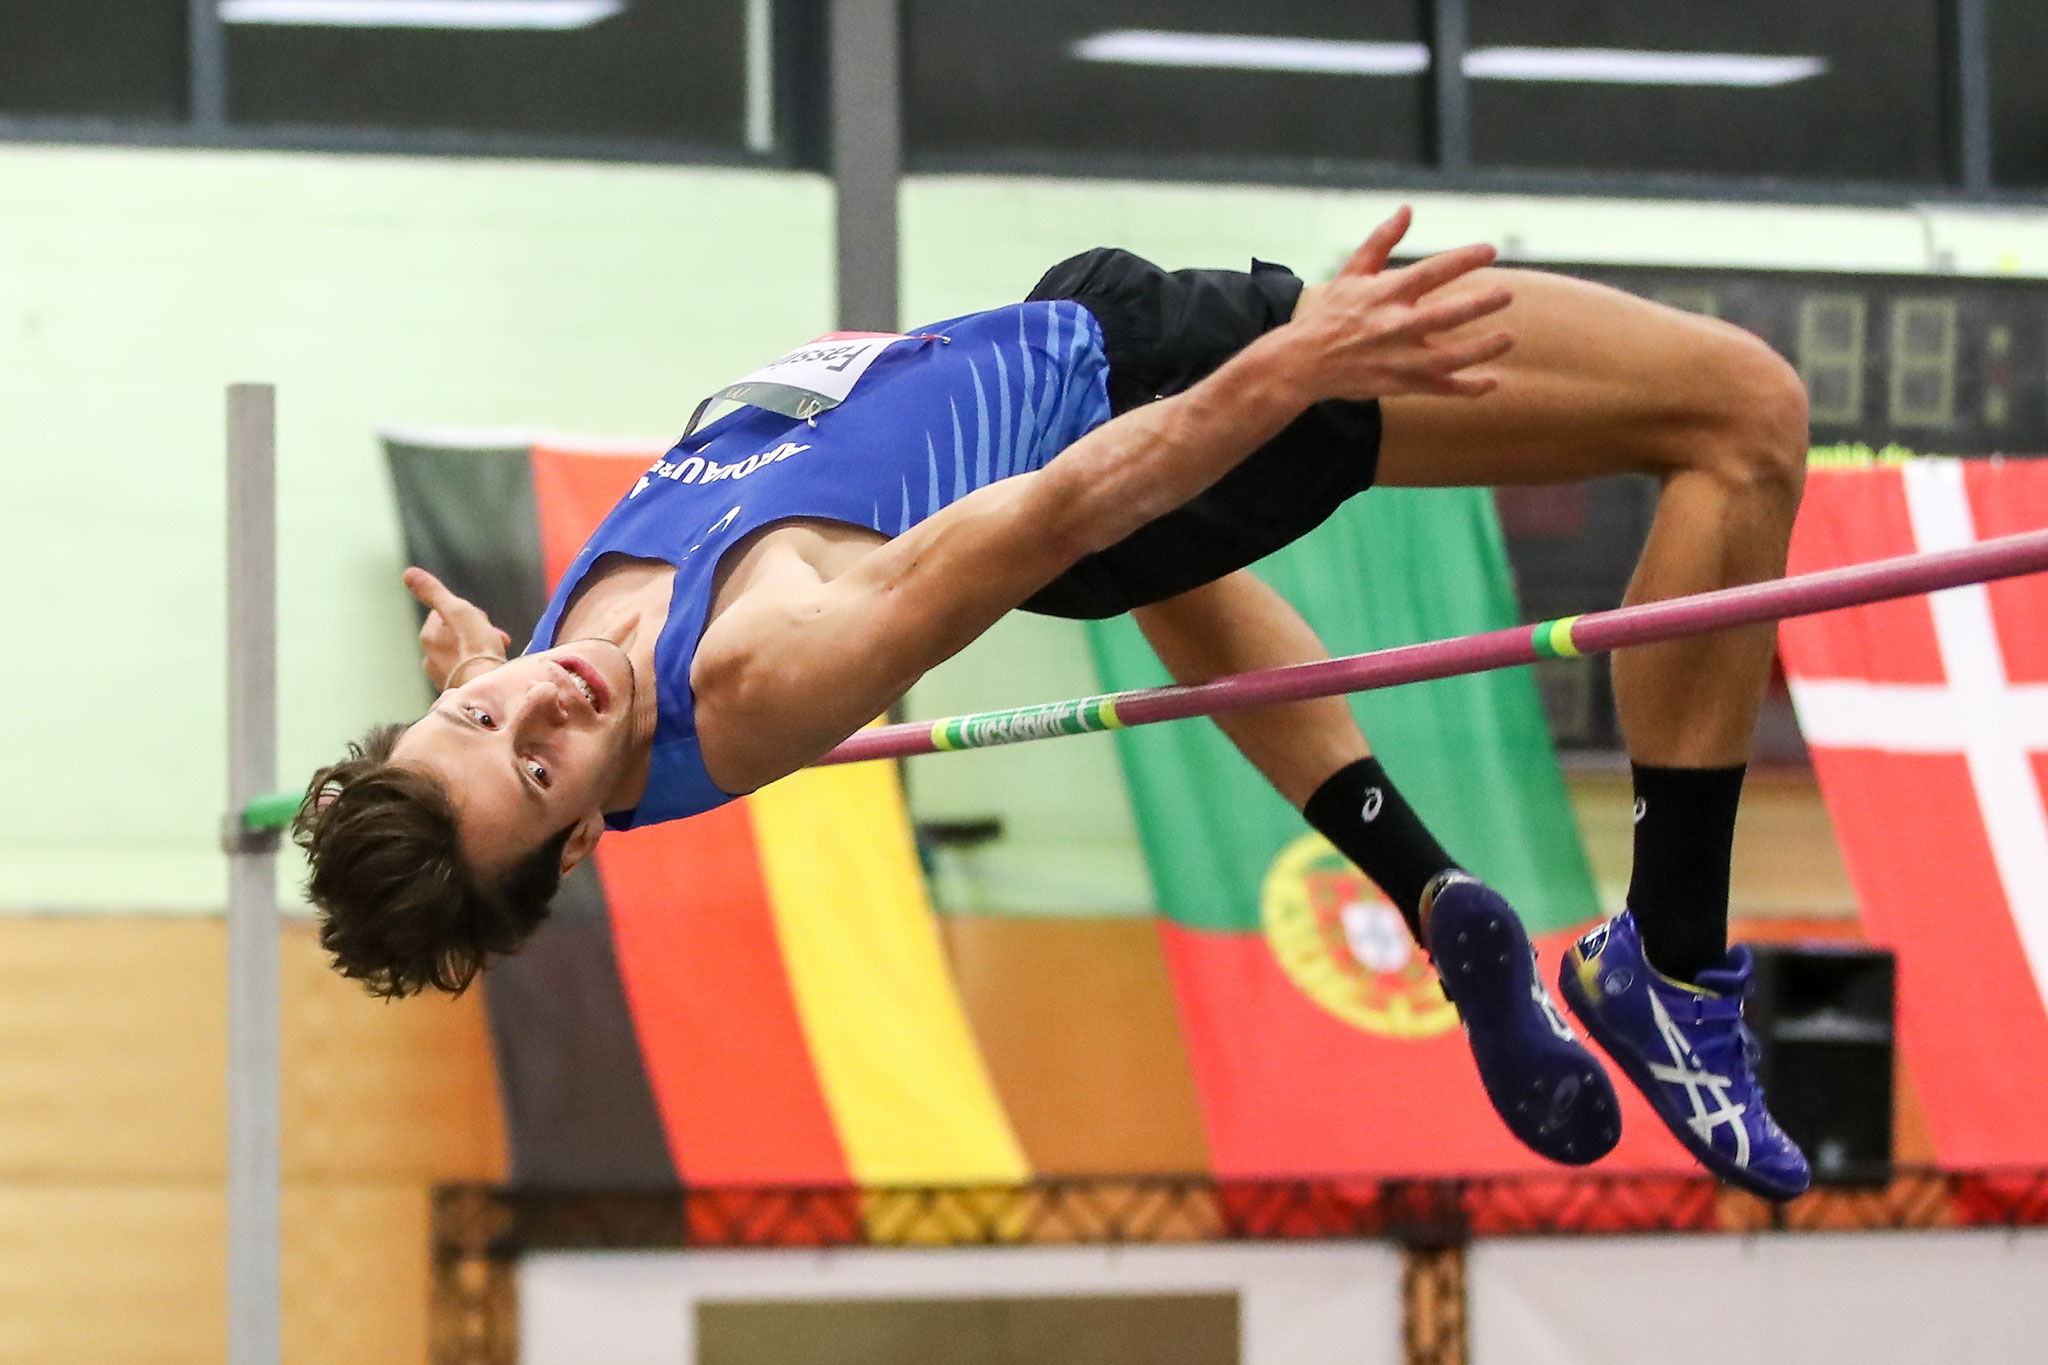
[{"x": 438, "y": 845}]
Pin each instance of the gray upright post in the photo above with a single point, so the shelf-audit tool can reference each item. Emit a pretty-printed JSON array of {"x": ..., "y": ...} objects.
[
  {"x": 760, "y": 118},
  {"x": 867, "y": 160},
  {"x": 206, "y": 65},
  {"x": 1450, "y": 95},
  {"x": 1973, "y": 94},
  {"x": 254, "y": 1173}
]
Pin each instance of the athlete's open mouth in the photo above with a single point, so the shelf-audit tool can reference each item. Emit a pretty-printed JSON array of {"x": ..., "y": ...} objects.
[{"x": 589, "y": 681}]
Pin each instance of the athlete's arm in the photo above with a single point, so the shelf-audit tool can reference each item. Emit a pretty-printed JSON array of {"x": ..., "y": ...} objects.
[{"x": 793, "y": 664}]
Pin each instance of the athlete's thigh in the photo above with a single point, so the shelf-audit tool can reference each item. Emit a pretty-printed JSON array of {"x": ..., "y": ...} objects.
[{"x": 1599, "y": 382}]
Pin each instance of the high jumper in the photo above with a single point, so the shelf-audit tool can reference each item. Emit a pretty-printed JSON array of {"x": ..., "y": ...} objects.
[{"x": 781, "y": 577}]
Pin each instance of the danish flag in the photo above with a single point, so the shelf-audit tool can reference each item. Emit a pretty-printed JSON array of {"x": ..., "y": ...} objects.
[{"x": 1928, "y": 723}]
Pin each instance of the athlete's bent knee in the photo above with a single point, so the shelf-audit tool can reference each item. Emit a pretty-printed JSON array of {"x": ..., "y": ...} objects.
[{"x": 1761, "y": 438}]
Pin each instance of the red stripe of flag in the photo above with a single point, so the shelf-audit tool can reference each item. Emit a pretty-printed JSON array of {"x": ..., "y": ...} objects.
[
  {"x": 718, "y": 1028},
  {"x": 696, "y": 942},
  {"x": 1887, "y": 641}
]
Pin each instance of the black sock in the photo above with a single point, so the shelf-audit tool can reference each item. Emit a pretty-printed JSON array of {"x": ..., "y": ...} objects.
[
  {"x": 1685, "y": 831},
  {"x": 1358, "y": 810}
]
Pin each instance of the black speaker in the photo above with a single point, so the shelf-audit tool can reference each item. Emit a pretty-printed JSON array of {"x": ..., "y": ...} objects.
[{"x": 1823, "y": 1016}]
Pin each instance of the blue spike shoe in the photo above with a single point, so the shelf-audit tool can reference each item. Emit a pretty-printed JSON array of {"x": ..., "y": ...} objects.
[
  {"x": 1544, "y": 1084},
  {"x": 1687, "y": 1049}
]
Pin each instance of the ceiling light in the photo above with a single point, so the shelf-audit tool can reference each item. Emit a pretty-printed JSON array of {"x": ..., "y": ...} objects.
[
  {"x": 550, "y": 15},
  {"x": 1621, "y": 66},
  {"x": 1243, "y": 52},
  {"x": 1582, "y": 65}
]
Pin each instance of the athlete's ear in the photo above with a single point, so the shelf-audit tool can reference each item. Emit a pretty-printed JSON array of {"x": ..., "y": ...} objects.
[{"x": 582, "y": 840}]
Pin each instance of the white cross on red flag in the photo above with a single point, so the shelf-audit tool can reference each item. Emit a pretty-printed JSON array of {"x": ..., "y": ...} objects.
[{"x": 1928, "y": 723}]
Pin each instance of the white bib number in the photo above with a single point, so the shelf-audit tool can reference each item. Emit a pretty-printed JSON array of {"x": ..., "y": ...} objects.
[{"x": 809, "y": 380}]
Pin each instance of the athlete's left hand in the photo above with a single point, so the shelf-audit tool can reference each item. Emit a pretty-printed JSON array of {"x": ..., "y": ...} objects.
[
  {"x": 457, "y": 634},
  {"x": 1375, "y": 333}
]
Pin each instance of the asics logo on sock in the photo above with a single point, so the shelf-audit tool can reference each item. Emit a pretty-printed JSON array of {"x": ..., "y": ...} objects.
[
  {"x": 1374, "y": 800},
  {"x": 1642, "y": 808},
  {"x": 1701, "y": 1085}
]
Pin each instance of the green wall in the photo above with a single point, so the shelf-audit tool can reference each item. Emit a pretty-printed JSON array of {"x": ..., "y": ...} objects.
[{"x": 135, "y": 284}]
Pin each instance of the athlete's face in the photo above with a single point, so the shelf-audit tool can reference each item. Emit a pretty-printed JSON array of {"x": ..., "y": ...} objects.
[{"x": 529, "y": 749}]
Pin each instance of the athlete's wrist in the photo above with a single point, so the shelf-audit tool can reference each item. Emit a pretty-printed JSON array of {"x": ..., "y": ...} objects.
[{"x": 1277, "y": 370}]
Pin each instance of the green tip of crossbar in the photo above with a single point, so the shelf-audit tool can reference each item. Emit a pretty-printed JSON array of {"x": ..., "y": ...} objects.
[{"x": 272, "y": 810}]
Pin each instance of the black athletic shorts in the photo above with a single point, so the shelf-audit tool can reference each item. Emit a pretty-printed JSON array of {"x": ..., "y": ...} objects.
[{"x": 1162, "y": 332}]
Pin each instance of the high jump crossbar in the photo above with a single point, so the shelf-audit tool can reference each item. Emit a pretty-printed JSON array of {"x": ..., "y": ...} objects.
[{"x": 1597, "y": 632}]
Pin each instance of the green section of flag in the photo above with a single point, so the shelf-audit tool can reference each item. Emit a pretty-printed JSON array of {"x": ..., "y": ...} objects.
[{"x": 1471, "y": 754}]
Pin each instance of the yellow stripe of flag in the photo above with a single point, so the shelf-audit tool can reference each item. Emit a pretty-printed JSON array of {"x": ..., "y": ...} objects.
[{"x": 896, "y": 1058}]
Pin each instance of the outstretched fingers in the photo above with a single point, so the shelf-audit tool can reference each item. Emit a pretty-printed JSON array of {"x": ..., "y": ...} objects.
[
  {"x": 1444, "y": 315},
  {"x": 1446, "y": 367},
  {"x": 436, "y": 596},
  {"x": 428, "y": 590},
  {"x": 1372, "y": 254},
  {"x": 1411, "y": 282}
]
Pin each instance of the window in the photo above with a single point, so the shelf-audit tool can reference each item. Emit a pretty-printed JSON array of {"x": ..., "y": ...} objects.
[
  {"x": 2019, "y": 95},
  {"x": 1291, "y": 80},
  {"x": 1822, "y": 89},
  {"x": 97, "y": 58},
  {"x": 666, "y": 70}
]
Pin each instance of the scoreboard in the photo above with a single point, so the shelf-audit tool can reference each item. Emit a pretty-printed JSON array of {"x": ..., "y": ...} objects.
[{"x": 1941, "y": 364}]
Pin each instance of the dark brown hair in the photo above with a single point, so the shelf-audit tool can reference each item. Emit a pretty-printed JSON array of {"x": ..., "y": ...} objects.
[{"x": 400, "y": 909}]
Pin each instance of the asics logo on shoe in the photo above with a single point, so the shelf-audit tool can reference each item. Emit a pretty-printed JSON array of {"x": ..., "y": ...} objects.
[
  {"x": 1552, "y": 1015},
  {"x": 1701, "y": 1085},
  {"x": 1591, "y": 942},
  {"x": 1374, "y": 800}
]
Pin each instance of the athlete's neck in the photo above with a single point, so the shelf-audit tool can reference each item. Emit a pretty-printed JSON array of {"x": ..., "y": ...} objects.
[
  {"x": 625, "y": 601},
  {"x": 622, "y": 599}
]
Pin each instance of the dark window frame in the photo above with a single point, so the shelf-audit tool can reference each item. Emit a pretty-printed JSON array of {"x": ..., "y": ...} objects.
[{"x": 801, "y": 135}]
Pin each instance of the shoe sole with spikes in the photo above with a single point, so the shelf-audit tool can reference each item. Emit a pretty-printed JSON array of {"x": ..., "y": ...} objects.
[{"x": 1549, "y": 1090}]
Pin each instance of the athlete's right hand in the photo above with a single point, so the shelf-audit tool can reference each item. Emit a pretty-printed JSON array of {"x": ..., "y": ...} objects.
[
  {"x": 457, "y": 633},
  {"x": 1376, "y": 333}
]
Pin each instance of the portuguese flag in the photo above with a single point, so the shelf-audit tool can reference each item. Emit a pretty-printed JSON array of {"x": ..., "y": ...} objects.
[{"x": 1320, "y": 1041}]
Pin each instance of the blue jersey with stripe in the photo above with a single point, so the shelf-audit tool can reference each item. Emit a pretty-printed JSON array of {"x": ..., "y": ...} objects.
[{"x": 957, "y": 407}]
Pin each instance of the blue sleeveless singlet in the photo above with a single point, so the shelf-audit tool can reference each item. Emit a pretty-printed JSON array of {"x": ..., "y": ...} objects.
[{"x": 958, "y": 406}]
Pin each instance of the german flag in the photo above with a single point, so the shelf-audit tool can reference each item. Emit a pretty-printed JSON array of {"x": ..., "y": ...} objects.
[{"x": 757, "y": 996}]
